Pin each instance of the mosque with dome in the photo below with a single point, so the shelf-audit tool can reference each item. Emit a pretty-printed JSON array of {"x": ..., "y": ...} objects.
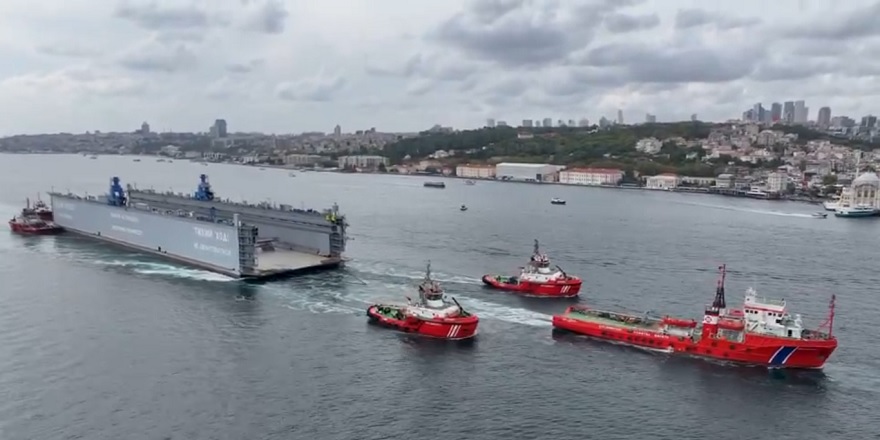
[{"x": 862, "y": 198}]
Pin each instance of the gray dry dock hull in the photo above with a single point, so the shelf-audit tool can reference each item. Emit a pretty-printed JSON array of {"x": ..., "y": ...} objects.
[{"x": 209, "y": 246}]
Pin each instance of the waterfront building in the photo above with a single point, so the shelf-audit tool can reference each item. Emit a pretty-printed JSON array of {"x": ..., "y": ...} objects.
[
  {"x": 475, "y": 171},
  {"x": 591, "y": 176},
  {"x": 865, "y": 190},
  {"x": 663, "y": 181},
  {"x": 777, "y": 182},
  {"x": 530, "y": 172}
]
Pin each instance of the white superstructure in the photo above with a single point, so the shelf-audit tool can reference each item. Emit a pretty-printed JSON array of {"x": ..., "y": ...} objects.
[{"x": 769, "y": 317}]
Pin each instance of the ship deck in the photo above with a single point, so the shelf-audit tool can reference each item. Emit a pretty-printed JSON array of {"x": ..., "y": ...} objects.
[
  {"x": 595, "y": 316},
  {"x": 280, "y": 262}
]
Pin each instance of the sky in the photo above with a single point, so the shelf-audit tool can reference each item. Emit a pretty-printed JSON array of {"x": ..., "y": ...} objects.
[{"x": 288, "y": 66}]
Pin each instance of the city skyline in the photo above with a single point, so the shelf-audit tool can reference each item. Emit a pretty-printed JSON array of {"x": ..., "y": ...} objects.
[{"x": 279, "y": 67}]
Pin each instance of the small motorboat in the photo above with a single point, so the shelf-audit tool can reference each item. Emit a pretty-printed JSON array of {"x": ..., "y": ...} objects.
[
  {"x": 463, "y": 208},
  {"x": 557, "y": 201},
  {"x": 432, "y": 315},
  {"x": 470, "y": 182},
  {"x": 820, "y": 214}
]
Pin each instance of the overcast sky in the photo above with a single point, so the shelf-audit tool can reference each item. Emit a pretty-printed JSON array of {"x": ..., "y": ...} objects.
[{"x": 285, "y": 66}]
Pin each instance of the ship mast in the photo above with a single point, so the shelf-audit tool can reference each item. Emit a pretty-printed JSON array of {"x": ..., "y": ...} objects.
[
  {"x": 719, "y": 302},
  {"x": 829, "y": 322}
]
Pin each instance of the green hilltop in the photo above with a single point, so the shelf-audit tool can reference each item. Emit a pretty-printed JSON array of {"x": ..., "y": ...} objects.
[{"x": 611, "y": 147}]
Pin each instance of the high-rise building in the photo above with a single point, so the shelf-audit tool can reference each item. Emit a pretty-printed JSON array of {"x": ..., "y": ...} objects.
[
  {"x": 775, "y": 112},
  {"x": 337, "y": 130},
  {"x": 788, "y": 112},
  {"x": 693, "y": 117},
  {"x": 620, "y": 117},
  {"x": 527, "y": 123},
  {"x": 145, "y": 128},
  {"x": 757, "y": 113},
  {"x": 650, "y": 119},
  {"x": 869, "y": 121},
  {"x": 548, "y": 122},
  {"x": 490, "y": 123},
  {"x": 801, "y": 112},
  {"x": 584, "y": 122},
  {"x": 824, "y": 117},
  {"x": 219, "y": 128}
]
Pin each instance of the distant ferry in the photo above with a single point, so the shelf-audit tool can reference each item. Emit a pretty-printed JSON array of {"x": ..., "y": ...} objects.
[
  {"x": 855, "y": 211},
  {"x": 435, "y": 185}
]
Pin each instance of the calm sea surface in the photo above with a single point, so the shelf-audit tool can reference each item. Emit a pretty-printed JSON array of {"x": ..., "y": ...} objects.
[{"x": 101, "y": 343}]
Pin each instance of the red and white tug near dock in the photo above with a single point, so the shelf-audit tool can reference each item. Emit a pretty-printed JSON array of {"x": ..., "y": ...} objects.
[
  {"x": 33, "y": 226},
  {"x": 761, "y": 333},
  {"x": 538, "y": 279},
  {"x": 39, "y": 210},
  {"x": 432, "y": 315}
]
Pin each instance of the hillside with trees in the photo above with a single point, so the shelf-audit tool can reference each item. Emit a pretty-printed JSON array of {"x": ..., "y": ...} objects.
[{"x": 572, "y": 146}]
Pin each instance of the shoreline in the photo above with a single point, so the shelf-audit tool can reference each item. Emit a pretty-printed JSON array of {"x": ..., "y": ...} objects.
[{"x": 300, "y": 169}]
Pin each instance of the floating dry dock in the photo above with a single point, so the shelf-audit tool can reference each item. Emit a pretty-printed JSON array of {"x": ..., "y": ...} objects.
[{"x": 233, "y": 238}]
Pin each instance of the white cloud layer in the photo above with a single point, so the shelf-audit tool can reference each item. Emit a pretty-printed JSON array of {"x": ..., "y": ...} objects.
[{"x": 289, "y": 65}]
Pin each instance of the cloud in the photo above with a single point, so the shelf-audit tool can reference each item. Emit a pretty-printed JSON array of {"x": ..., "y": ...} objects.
[
  {"x": 320, "y": 88},
  {"x": 66, "y": 50},
  {"x": 404, "y": 65},
  {"x": 81, "y": 80},
  {"x": 858, "y": 23},
  {"x": 266, "y": 17},
  {"x": 156, "y": 55},
  {"x": 690, "y": 18},
  {"x": 622, "y": 23},
  {"x": 152, "y": 15},
  {"x": 247, "y": 67}
]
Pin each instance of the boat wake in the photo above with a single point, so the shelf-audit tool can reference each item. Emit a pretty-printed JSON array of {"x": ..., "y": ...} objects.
[
  {"x": 168, "y": 270},
  {"x": 750, "y": 210},
  {"x": 413, "y": 274}
]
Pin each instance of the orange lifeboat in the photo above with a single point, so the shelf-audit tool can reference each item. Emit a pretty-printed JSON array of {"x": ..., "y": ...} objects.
[
  {"x": 678, "y": 322},
  {"x": 731, "y": 324}
]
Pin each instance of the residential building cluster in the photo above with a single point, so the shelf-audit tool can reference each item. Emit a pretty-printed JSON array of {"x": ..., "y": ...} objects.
[{"x": 797, "y": 113}]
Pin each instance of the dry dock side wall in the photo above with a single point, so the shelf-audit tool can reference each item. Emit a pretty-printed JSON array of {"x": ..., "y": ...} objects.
[
  {"x": 309, "y": 233},
  {"x": 199, "y": 242}
]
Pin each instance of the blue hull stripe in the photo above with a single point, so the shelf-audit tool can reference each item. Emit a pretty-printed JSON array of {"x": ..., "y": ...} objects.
[{"x": 782, "y": 355}]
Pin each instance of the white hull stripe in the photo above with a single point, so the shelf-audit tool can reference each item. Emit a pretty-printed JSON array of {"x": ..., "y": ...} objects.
[{"x": 453, "y": 331}]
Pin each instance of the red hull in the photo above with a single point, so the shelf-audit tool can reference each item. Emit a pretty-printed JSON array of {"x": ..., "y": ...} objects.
[
  {"x": 753, "y": 350},
  {"x": 23, "y": 228},
  {"x": 567, "y": 288},
  {"x": 457, "y": 328}
]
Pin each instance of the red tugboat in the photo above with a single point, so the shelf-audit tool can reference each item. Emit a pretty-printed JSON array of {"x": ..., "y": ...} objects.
[
  {"x": 33, "y": 226},
  {"x": 39, "y": 210},
  {"x": 538, "y": 279},
  {"x": 432, "y": 315},
  {"x": 761, "y": 333}
]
